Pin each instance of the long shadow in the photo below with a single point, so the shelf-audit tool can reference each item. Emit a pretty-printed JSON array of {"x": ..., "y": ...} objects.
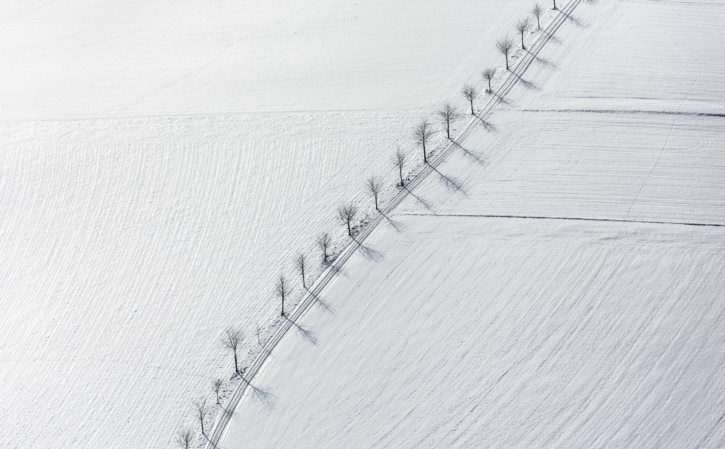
[
  {"x": 396, "y": 225},
  {"x": 542, "y": 61},
  {"x": 573, "y": 19},
  {"x": 264, "y": 396},
  {"x": 334, "y": 268},
  {"x": 551, "y": 37},
  {"x": 469, "y": 153},
  {"x": 527, "y": 84},
  {"x": 368, "y": 252},
  {"x": 501, "y": 99},
  {"x": 418, "y": 199},
  {"x": 321, "y": 302},
  {"x": 488, "y": 126},
  {"x": 306, "y": 333},
  {"x": 450, "y": 182}
]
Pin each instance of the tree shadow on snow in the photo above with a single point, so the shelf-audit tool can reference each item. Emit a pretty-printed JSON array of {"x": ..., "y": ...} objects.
[
  {"x": 306, "y": 333},
  {"x": 396, "y": 225},
  {"x": 418, "y": 199},
  {"x": 469, "y": 153},
  {"x": 321, "y": 302},
  {"x": 450, "y": 182},
  {"x": 368, "y": 252}
]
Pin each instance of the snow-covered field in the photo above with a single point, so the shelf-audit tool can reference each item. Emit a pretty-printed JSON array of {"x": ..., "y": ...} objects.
[
  {"x": 559, "y": 281},
  {"x": 162, "y": 162}
]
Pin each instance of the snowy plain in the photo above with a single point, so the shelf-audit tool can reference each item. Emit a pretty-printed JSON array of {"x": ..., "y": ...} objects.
[
  {"x": 162, "y": 162},
  {"x": 558, "y": 281}
]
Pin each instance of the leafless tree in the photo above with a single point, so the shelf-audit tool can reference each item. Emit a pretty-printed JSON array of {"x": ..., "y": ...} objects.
[
  {"x": 202, "y": 409},
  {"x": 522, "y": 26},
  {"x": 448, "y": 114},
  {"x": 301, "y": 265},
  {"x": 183, "y": 438},
  {"x": 324, "y": 242},
  {"x": 504, "y": 46},
  {"x": 259, "y": 339},
  {"x": 346, "y": 214},
  {"x": 422, "y": 134},
  {"x": 488, "y": 76},
  {"x": 538, "y": 11},
  {"x": 374, "y": 186},
  {"x": 470, "y": 93},
  {"x": 282, "y": 290},
  {"x": 399, "y": 162},
  {"x": 231, "y": 340},
  {"x": 216, "y": 387}
]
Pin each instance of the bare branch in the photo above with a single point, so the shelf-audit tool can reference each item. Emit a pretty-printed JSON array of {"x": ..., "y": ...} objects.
[
  {"x": 470, "y": 93},
  {"x": 202, "y": 409},
  {"x": 538, "y": 11},
  {"x": 488, "y": 75},
  {"x": 231, "y": 340},
  {"x": 374, "y": 186},
  {"x": 324, "y": 242},
  {"x": 183, "y": 438},
  {"x": 399, "y": 162},
  {"x": 282, "y": 289},
  {"x": 522, "y": 26},
  {"x": 422, "y": 134},
  {"x": 346, "y": 214},
  {"x": 448, "y": 114},
  {"x": 216, "y": 387},
  {"x": 301, "y": 265},
  {"x": 504, "y": 46}
]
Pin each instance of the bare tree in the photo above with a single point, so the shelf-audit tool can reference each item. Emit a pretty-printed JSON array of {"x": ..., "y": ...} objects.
[
  {"x": 324, "y": 242},
  {"x": 374, "y": 186},
  {"x": 448, "y": 114},
  {"x": 504, "y": 46},
  {"x": 522, "y": 26},
  {"x": 470, "y": 93},
  {"x": 282, "y": 290},
  {"x": 301, "y": 265},
  {"x": 488, "y": 76},
  {"x": 399, "y": 162},
  {"x": 216, "y": 387},
  {"x": 538, "y": 11},
  {"x": 183, "y": 438},
  {"x": 422, "y": 134},
  {"x": 346, "y": 214},
  {"x": 231, "y": 340},
  {"x": 202, "y": 409}
]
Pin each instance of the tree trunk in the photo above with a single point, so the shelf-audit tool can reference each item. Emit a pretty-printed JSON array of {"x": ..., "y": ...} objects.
[
  {"x": 236, "y": 365},
  {"x": 400, "y": 172},
  {"x": 522, "y": 41},
  {"x": 282, "y": 306},
  {"x": 472, "y": 113},
  {"x": 448, "y": 130},
  {"x": 489, "y": 85},
  {"x": 376, "y": 203},
  {"x": 349, "y": 231}
]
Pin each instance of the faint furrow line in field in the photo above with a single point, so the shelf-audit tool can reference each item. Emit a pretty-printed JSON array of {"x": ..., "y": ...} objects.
[
  {"x": 565, "y": 218},
  {"x": 322, "y": 282}
]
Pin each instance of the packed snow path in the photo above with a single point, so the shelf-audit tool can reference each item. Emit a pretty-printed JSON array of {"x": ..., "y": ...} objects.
[{"x": 479, "y": 315}]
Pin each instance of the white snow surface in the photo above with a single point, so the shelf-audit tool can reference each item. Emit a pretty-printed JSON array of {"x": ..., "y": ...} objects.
[
  {"x": 161, "y": 163},
  {"x": 558, "y": 281}
]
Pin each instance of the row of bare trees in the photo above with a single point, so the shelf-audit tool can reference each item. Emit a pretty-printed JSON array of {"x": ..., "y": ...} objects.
[
  {"x": 232, "y": 339},
  {"x": 506, "y": 45}
]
